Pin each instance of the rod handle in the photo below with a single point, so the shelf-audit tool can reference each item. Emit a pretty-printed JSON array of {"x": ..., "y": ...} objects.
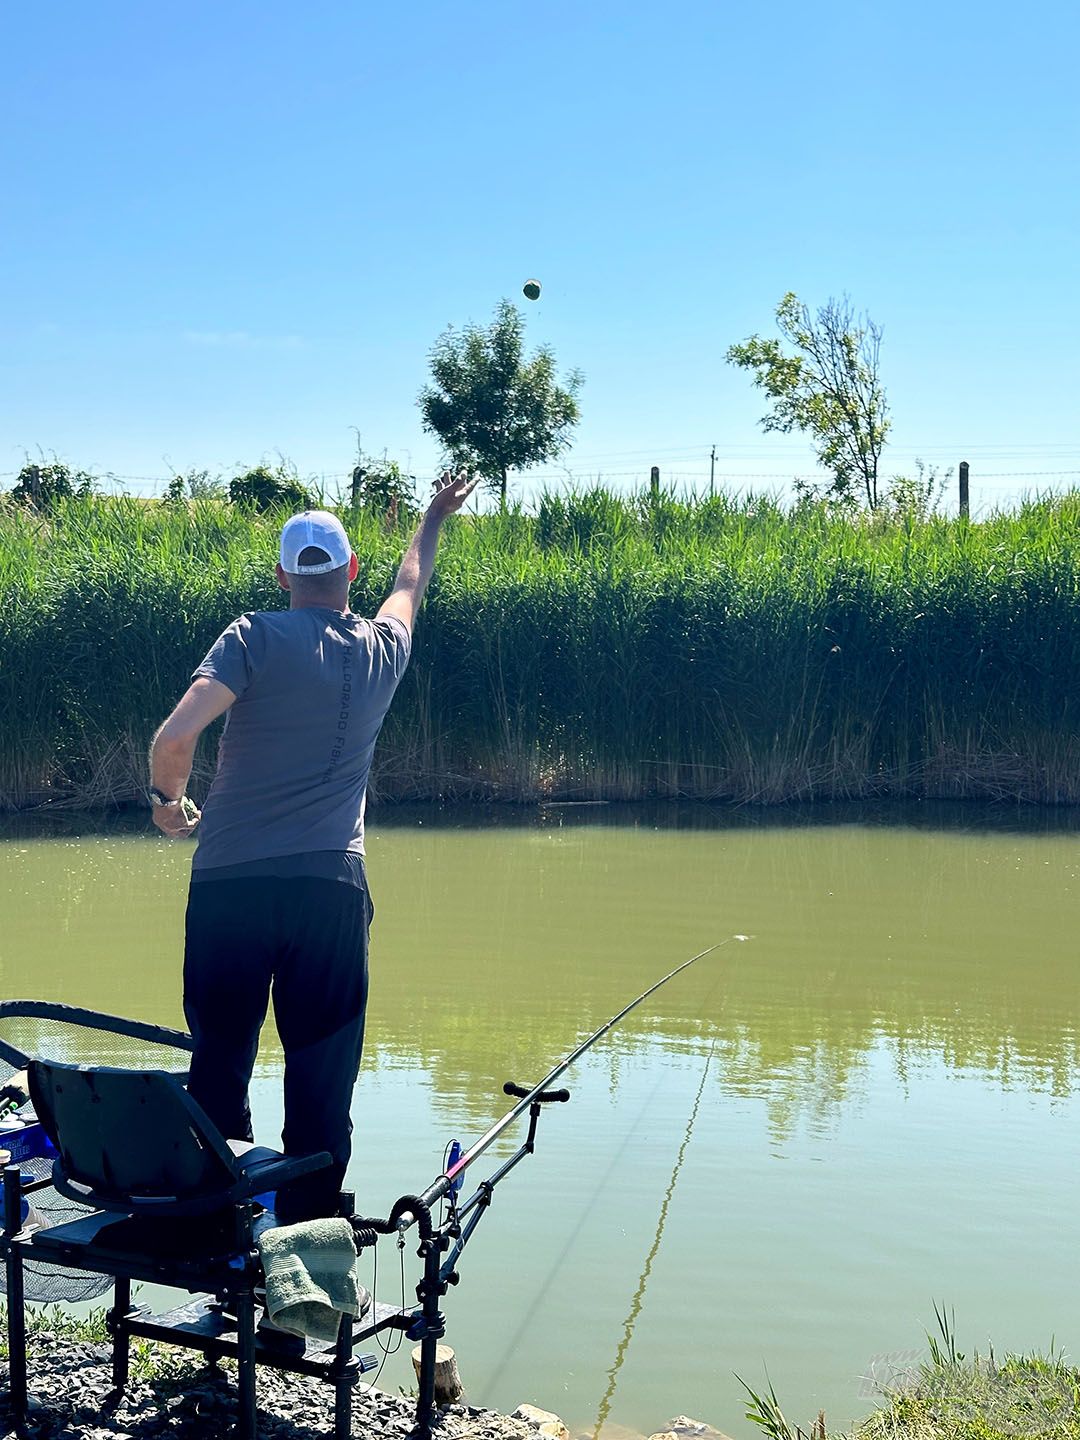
[{"x": 543, "y": 1097}]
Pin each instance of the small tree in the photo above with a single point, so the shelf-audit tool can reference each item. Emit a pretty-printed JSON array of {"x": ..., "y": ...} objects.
[
  {"x": 266, "y": 488},
  {"x": 42, "y": 485},
  {"x": 826, "y": 383},
  {"x": 193, "y": 485},
  {"x": 494, "y": 410},
  {"x": 382, "y": 485},
  {"x": 920, "y": 494}
]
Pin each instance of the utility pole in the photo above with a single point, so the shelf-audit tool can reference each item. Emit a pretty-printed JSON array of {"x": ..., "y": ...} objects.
[
  {"x": 965, "y": 492},
  {"x": 712, "y": 473}
]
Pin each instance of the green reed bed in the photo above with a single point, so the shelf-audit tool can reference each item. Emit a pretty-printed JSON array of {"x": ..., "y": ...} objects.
[{"x": 601, "y": 647}]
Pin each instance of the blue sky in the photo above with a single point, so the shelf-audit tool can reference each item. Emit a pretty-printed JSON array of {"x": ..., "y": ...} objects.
[{"x": 234, "y": 230}]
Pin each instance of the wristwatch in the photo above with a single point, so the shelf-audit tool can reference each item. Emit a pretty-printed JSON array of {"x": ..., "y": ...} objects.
[{"x": 158, "y": 797}]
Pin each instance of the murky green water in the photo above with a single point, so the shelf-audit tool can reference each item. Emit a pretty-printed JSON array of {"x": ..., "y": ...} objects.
[{"x": 784, "y": 1158}]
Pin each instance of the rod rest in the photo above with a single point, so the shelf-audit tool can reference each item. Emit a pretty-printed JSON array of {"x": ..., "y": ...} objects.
[
  {"x": 367, "y": 1230},
  {"x": 544, "y": 1097}
]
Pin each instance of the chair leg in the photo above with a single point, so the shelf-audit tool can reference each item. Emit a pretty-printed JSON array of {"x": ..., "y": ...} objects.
[
  {"x": 245, "y": 1339},
  {"x": 115, "y": 1321},
  {"x": 16, "y": 1313},
  {"x": 344, "y": 1377}
]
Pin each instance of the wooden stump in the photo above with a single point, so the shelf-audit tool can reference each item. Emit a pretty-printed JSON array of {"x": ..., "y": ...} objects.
[{"x": 448, "y": 1386}]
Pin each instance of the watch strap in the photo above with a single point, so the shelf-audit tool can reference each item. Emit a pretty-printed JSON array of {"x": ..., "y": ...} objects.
[{"x": 159, "y": 798}]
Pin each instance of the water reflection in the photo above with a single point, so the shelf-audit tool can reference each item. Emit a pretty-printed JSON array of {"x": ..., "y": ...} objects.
[
  {"x": 902, "y": 1026},
  {"x": 638, "y": 1299},
  {"x": 503, "y": 938}
]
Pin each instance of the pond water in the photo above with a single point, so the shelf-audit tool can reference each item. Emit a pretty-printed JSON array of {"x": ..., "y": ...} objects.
[{"x": 783, "y": 1158}]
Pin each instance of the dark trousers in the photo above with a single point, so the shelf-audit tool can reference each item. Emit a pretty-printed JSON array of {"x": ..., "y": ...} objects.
[{"x": 308, "y": 939}]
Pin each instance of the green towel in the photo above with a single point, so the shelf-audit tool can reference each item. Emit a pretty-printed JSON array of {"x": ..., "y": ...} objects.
[{"x": 310, "y": 1272}]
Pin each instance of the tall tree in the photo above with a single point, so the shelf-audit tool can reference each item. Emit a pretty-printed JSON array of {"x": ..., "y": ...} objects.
[
  {"x": 493, "y": 409},
  {"x": 826, "y": 382}
]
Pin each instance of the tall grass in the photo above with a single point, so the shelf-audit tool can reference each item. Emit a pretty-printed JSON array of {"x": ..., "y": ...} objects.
[
  {"x": 601, "y": 647},
  {"x": 948, "y": 1397}
]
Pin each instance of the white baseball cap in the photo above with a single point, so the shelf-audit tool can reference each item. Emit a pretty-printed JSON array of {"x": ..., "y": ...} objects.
[{"x": 314, "y": 528}]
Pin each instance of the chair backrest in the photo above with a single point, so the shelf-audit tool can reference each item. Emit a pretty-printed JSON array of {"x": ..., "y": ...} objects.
[{"x": 129, "y": 1135}]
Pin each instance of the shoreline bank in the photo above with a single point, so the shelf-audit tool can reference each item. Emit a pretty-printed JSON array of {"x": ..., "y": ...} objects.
[{"x": 173, "y": 1393}]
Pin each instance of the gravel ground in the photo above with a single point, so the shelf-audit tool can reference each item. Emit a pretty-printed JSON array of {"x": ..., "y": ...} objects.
[{"x": 70, "y": 1384}]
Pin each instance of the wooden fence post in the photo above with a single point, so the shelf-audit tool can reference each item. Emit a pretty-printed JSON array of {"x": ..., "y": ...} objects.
[
  {"x": 654, "y": 482},
  {"x": 965, "y": 505}
]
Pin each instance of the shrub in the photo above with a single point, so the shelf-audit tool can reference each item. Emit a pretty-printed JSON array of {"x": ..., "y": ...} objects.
[{"x": 266, "y": 488}]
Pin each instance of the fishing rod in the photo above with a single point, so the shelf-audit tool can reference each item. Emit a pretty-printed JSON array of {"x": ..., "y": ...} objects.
[
  {"x": 442, "y": 1243},
  {"x": 449, "y": 1179}
]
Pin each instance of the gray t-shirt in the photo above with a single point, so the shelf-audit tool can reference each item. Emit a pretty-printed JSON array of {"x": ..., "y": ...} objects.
[{"x": 312, "y": 688}]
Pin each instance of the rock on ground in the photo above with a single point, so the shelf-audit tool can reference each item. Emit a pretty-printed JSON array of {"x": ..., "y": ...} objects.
[
  {"x": 542, "y": 1422},
  {"x": 70, "y": 1386},
  {"x": 681, "y": 1427}
]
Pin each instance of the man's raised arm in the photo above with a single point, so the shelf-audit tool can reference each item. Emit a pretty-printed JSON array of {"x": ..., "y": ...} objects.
[{"x": 415, "y": 570}]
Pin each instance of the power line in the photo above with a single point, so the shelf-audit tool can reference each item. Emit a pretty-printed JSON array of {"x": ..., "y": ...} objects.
[
  {"x": 1019, "y": 474},
  {"x": 590, "y": 466}
]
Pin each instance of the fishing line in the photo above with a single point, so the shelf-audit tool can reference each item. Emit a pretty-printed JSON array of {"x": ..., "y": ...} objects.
[
  {"x": 440, "y": 1256},
  {"x": 556, "y": 1265},
  {"x": 390, "y": 1348},
  {"x": 639, "y": 1294},
  {"x": 613, "y": 1164}
]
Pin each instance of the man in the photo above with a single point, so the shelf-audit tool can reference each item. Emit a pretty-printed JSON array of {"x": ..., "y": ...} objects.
[{"x": 278, "y": 894}]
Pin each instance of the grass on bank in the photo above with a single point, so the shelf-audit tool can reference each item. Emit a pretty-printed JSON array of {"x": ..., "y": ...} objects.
[
  {"x": 55, "y": 1327},
  {"x": 949, "y": 1397},
  {"x": 603, "y": 647},
  {"x": 944, "y": 1397}
]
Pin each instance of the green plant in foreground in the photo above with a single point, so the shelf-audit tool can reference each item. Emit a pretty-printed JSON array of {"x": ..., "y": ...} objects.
[
  {"x": 56, "y": 1326},
  {"x": 944, "y": 1354},
  {"x": 55, "y": 1320},
  {"x": 949, "y": 1398},
  {"x": 765, "y": 1412},
  {"x": 983, "y": 1399}
]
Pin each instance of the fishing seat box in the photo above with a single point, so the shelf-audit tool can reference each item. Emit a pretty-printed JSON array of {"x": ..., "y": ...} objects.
[{"x": 167, "y": 1200}]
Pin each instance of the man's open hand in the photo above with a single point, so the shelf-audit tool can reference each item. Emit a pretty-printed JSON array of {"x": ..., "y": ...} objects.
[{"x": 451, "y": 492}]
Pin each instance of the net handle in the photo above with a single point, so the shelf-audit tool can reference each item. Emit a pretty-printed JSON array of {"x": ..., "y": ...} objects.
[{"x": 90, "y": 1020}]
